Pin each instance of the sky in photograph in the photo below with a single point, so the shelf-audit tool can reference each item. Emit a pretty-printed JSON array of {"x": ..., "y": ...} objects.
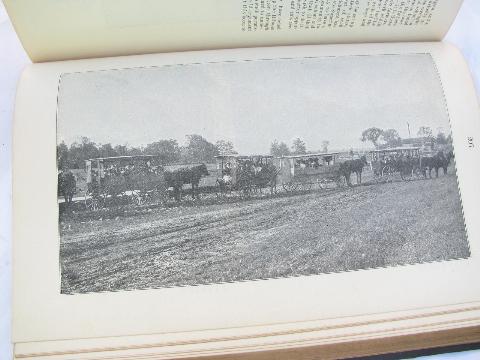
[{"x": 254, "y": 102}]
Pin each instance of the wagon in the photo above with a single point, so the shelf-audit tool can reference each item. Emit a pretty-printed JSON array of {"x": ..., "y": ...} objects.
[
  {"x": 303, "y": 172},
  {"x": 123, "y": 179},
  {"x": 244, "y": 173},
  {"x": 387, "y": 163}
]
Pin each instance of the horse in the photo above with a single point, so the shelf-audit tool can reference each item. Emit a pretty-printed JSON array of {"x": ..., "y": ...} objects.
[
  {"x": 177, "y": 178},
  {"x": 353, "y": 166},
  {"x": 446, "y": 161},
  {"x": 436, "y": 162},
  {"x": 406, "y": 166},
  {"x": 67, "y": 185},
  {"x": 266, "y": 177}
]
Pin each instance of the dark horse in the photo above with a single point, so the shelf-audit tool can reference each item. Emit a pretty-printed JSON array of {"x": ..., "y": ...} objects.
[
  {"x": 438, "y": 161},
  {"x": 353, "y": 166},
  {"x": 266, "y": 177},
  {"x": 67, "y": 185},
  {"x": 177, "y": 178}
]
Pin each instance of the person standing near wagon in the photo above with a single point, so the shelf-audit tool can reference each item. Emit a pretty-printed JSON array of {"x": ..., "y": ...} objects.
[{"x": 227, "y": 173}]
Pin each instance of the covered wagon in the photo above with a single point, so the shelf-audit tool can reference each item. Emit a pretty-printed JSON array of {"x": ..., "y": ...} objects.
[{"x": 123, "y": 179}]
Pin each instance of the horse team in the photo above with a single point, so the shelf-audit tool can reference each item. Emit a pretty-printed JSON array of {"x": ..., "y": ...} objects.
[
  {"x": 185, "y": 176},
  {"x": 405, "y": 165},
  {"x": 436, "y": 162},
  {"x": 252, "y": 177}
]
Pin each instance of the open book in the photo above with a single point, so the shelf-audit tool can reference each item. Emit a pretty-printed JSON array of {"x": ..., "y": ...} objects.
[{"x": 314, "y": 199}]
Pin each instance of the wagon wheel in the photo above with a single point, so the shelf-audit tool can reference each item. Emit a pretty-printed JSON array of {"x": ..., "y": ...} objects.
[
  {"x": 290, "y": 186},
  {"x": 322, "y": 183},
  {"x": 246, "y": 190},
  {"x": 93, "y": 200},
  {"x": 340, "y": 182},
  {"x": 138, "y": 197},
  {"x": 306, "y": 186},
  {"x": 386, "y": 174}
]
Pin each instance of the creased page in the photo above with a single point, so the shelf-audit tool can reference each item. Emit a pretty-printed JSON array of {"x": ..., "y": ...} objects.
[{"x": 59, "y": 30}]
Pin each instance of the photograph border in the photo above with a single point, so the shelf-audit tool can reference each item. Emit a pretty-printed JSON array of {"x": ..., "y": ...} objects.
[{"x": 191, "y": 64}]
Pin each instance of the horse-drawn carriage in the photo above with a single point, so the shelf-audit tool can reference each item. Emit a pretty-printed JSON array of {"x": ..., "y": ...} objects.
[
  {"x": 245, "y": 173},
  {"x": 123, "y": 179},
  {"x": 303, "y": 172},
  {"x": 386, "y": 164}
]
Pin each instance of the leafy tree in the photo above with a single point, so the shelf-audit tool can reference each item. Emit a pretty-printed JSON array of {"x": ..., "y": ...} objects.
[
  {"x": 167, "y": 150},
  {"x": 225, "y": 147},
  {"x": 62, "y": 156},
  {"x": 299, "y": 147},
  {"x": 325, "y": 145},
  {"x": 425, "y": 132},
  {"x": 106, "y": 150},
  {"x": 391, "y": 138},
  {"x": 121, "y": 150},
  {"x": 450, "y": 139},
  {"x": 79, "y": 152},
  {"x": 279, "y": 149},
  {"x": 274, "y": 148},
  {"x": 134, "y": 151},
  {"x": 372, "y": 134},
  {"x": 198, "y": 149},
  {"x": 283, "y": 149},
  {"x": 441, "y": 139}
]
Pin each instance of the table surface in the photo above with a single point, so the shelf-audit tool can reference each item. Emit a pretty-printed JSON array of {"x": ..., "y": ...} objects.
[{"x": 465, "y": 34}]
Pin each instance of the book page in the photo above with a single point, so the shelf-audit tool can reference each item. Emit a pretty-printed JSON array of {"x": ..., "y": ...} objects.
[
  {"x": 153, "y": 212},
  {"x": 52, "y": 30}
]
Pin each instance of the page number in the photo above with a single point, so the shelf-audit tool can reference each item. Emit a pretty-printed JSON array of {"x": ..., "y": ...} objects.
[{"x": 470, "y": 142}]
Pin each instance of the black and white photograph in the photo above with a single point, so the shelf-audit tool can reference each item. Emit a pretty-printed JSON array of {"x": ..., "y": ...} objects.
[{"x": 208, "y": 173}]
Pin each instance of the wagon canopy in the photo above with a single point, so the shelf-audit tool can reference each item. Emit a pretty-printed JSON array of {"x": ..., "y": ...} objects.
[
  {"x": 230, "y": 164},
  {"x": 327, "y": 156},
  {"x": 239, "y": 157},
  {"x": 311, "y": 165},
  {"x": 311, "y": 155},
  {"x": 411, "y": 151},
  {"x": 96, "y": 167},
  {"x": 125, "y": 158},
  {"x": 232, "y": 160},
  {"x": 308, "y": 160}
]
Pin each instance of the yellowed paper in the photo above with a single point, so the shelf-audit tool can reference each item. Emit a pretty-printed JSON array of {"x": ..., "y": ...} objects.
[
  {"x": 59, "y": 30},
  {"x": 42, "y": 313}
]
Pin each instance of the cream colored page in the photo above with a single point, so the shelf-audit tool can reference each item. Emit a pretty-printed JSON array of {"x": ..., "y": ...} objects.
[
  {"x": 39, "y": 303},
  {"x": 237, "y": 340},
  {"x": 59, "y": 30}
]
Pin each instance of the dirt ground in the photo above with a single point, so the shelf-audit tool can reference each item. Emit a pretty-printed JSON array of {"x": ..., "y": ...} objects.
[{"x": 317, "y": 232}]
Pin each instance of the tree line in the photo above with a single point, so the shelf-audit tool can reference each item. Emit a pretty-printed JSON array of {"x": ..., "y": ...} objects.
[
  {"x": 298, "y": 147},
  {"x": 388, "y": 138},
  {"x": 196, "y": 149}
]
